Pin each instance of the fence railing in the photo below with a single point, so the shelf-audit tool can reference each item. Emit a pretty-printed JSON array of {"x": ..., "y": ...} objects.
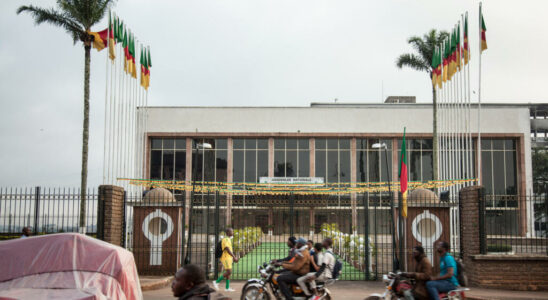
[
  {"x": 515, "y": 224},
  {"x": 44, "y": 210}
]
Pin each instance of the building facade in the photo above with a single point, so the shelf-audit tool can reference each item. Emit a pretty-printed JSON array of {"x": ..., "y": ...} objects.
[{"x": 331, "y": 141}]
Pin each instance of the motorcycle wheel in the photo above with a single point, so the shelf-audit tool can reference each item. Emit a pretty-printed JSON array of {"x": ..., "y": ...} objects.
[
  {"x": 373, "y": 298},
  {"x": 252, "y": 293}
]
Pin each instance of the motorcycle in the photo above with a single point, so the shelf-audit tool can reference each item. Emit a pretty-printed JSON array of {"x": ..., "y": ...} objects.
[
  {"x": 267, "y": 288},
  {"x": 397, "y": 284}
]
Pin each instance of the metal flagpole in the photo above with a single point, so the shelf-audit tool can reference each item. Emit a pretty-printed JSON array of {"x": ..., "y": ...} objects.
[
  {"x": 108, "y": 114},
  {"x": 106, "y": 101},
  {"x": 479, "y": 99},
  {"x": 470, "y": 140}
]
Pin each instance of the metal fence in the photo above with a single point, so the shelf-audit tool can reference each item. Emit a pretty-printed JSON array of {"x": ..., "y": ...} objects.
[
  {"x": 514, "y": 224},
  {"x": 368, "y": 232},
  {"x": 44, "y": 210}
]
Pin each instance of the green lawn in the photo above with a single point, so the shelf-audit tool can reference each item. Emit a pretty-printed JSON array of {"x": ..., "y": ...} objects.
[{"x": 247, "y": 266}]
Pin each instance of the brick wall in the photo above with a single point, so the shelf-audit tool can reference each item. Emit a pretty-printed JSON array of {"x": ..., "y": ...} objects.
[
  {"x": 513, "y": 272},
  {"x": 110, "y": 212}
]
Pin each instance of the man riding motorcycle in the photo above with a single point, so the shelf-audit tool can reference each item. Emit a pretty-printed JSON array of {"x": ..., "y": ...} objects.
[
  {"x": 447, "y": 281},
  {"x": 295, "y": 268},
  {"x": 423, "y": 272},
  {"x": 291, "y": 241}
]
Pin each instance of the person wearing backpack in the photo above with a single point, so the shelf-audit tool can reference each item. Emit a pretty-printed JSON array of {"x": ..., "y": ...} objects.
[
  {"x": 227, "y": 259},
  {"x": 447, "y": 280},
  {"x": 327, "y": 265}
]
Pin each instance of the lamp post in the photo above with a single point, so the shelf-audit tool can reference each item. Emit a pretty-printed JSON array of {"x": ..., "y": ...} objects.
[
  {"x": 395, "y": 262},
  {"x": 194, "y": 170}
]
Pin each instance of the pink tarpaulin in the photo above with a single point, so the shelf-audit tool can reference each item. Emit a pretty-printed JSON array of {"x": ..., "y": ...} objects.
[{"x": 66, "y": 266}]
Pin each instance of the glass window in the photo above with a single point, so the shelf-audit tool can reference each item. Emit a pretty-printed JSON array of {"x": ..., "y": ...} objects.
[
  {"x": 156, "y": 143},
  {"x": 238, "y": 166},
  {"x": 169, "y": 144},
  {"x": 156, "y": 164},
  {"x": 166, "y": 163},
  {"x": 222, "y": 165},
  {"x": 499, "y": 171},
  {"x": 251, "y": 162},
  {"x": 320, "y": 143},
  {"x": 371, "y": 162},
  {"x": 320, "y": 163},
  {"x": 289, "y": 159},
  {"x": 180, "y": 165},
  {"x": 238, "y": 143},
  {"x": 180, "y": 144}
]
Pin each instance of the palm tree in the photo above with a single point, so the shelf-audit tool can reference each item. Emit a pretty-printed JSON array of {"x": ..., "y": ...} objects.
[
  {"x": 422, "y": 61},
  {"x": 76, "y": 17}
]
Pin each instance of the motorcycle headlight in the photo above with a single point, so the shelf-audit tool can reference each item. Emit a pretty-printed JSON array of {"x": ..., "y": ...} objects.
[
  {"x": 385, "y": 279},
  {"x": 263, "y": 273}
]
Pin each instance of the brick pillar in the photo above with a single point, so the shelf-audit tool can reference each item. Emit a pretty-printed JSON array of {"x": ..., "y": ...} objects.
[
  {"x": 110, "y": 211},
  {"x": 470, "y": 238}
]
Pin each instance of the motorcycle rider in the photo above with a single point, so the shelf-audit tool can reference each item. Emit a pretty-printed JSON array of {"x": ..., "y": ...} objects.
[
  {"x": 447, "y": 280},
  {"x": 327, "y": 263},
  {"x": 295, "y": 268},
  {"x": 423, "y": 272},
  {"x": 291, "y": 242}
]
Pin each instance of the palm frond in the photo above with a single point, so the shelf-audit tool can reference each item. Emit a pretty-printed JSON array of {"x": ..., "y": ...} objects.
[
  {"x": 412, "y": 61},
  {"x": 86, "y": 12},
  {"x": 54, "y": 17}
]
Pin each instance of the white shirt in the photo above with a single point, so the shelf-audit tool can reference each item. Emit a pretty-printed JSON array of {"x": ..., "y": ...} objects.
[{"x": 328, "y": 258}]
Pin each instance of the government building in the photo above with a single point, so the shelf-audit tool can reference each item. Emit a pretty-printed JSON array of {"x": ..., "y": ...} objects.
[{"x": 335, "y": 143}]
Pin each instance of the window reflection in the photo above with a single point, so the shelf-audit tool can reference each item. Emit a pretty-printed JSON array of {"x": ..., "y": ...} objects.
[
  {"x": 291, "y": 157},
  {"x": 250, "y": 160}
]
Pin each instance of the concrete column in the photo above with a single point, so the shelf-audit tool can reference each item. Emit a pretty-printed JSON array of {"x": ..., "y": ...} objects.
[{"x": 110, "y": 214}]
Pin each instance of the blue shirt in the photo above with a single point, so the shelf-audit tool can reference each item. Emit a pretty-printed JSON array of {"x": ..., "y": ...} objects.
[{"x": 447, "y": 261}]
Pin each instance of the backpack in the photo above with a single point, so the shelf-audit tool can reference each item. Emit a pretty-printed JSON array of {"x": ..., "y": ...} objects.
[
  {"x": 219, "y": 249},
  {"x": 461, "y": 275},
  {"x": 337, "y": 268}
]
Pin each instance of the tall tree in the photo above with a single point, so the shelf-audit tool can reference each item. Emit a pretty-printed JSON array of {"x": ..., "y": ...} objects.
[
  {"x": 76, "y": 17},
  {"x": 422, "y": 61}
]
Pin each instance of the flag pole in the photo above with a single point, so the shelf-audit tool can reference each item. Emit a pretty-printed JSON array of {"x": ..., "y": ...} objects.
[
  {"x": 479, "y": 100},
  {"x": 106, "y": 101}
]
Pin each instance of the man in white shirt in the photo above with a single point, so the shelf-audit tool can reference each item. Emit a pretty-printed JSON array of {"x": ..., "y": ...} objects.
[{"x": 327, "y": 263}]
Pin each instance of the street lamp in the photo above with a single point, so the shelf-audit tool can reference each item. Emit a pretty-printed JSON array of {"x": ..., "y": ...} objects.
[
  {"x": 395, "y": 263},
  {"x": 194, "y": 170}
]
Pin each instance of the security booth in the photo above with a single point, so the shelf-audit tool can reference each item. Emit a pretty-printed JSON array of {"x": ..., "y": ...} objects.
[
  {"x": 428, "y": 222},
  {"x": 157, "y": 233}
]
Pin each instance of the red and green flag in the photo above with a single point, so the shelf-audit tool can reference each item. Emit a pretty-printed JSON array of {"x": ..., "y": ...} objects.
[
  {"x": 459, "y": 50},
  {"x": 100, "y": 39},
  {"x": 445, "y": 60},
  {"x": 436, "y": 68},
  {"x": 483, "y": 30},
  {"x": 465, "y": 46},
  {"x": 132, "y": 53},
  {"x": 403, "y": 176},
  {"x": 143, "y": 65},
  {"x": 125, "y": 45}
]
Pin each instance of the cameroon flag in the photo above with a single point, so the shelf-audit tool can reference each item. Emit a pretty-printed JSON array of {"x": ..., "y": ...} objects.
[
  {"x": 99, "y": 39},
  {"x": 483, "y": 30},
  {"x": 126, "y": 52},
  {"x": 459, "y": 49},
  {"x": 466, "y": 50},
  {"x": 445, "y": 60},
  {"x": 132, "y": 53},
  {"x": 403, "y": 176}
]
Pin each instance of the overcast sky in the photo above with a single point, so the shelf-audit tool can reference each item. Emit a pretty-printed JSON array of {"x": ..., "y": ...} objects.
[{"x": 245, "y": 52}]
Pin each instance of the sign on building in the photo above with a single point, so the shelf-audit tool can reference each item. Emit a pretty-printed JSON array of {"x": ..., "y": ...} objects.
[{"x": 292, "y": 180}]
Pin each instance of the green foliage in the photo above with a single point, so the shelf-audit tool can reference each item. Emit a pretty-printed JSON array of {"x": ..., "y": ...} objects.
[
  {"x": 72, "y": 15},
  {"x": 499, "y": 248},
  {"x": 246, "y": 238},
  {"x": 346, "y": 245},
  {"x": 424, "y": 48}
]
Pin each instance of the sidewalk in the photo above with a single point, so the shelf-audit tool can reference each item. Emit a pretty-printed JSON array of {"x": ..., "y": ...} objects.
[{"x": 346, "y": 290}]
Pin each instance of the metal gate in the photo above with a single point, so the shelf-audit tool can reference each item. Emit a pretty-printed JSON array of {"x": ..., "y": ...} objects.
[{"x": 362, "y": 228}]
